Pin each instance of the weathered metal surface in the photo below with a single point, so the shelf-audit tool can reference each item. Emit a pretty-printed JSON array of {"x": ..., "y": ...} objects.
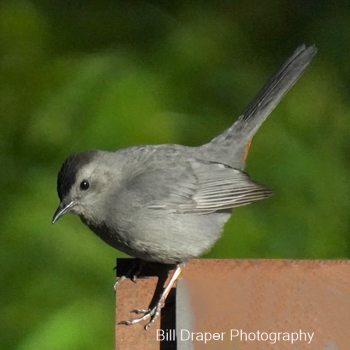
[
  {"x": 259, "y": 304},
  {"x": 139, "y": 295}
]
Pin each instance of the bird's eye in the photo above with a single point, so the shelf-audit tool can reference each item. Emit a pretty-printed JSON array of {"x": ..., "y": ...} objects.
[{"x": 84, "y": 185}]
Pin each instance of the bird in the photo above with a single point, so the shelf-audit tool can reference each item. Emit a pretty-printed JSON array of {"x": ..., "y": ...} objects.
[{"x": 169, "y": 203}]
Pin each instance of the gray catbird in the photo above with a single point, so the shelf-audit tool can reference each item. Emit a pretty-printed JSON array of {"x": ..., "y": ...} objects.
[{"x": 169, "y": 203}]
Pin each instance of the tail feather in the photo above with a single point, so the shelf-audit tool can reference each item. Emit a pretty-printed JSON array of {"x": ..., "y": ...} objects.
[{"x": 232, "y": 142}]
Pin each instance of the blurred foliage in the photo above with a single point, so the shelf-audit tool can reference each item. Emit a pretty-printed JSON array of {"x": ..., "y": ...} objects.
[{"x": 108, "y": 74}]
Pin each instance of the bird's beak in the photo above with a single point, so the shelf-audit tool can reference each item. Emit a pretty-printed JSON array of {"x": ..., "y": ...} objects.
[{"x": 62, "y": 209}]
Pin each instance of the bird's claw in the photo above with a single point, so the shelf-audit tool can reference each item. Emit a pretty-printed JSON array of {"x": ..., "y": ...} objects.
[
  {"x": 133, "y": 274},
  {"x": 121, "y": 278},
  {"x": 140, "y": 311},
  {"x": 134, "y": 278},
  {"x": 151, "y": 314}
]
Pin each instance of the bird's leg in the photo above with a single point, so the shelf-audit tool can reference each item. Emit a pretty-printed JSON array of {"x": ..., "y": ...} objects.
[
  {"x": 153, "y": 313},
  {"x": 133, "y": 273}
]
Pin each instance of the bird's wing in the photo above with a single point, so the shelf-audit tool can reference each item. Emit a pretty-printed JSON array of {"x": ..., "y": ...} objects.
[
  {"x": 222, "y": 187},
  {"x": 194, "y": 186},
  {"x": 163, "y": 185}
]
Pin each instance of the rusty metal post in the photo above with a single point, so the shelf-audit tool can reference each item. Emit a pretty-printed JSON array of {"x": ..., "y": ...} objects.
[{"x": 245, "y": 304}]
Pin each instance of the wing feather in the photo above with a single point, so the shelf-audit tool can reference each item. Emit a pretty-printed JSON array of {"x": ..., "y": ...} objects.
[
  {"x": 225, "y": 188},
  {"x": 217, "y": 187}
]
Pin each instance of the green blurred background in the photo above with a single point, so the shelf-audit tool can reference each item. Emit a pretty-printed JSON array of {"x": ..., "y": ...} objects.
[{"x": 76, "y": 75}]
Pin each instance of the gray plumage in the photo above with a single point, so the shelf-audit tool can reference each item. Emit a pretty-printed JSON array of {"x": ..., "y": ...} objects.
[{"x": 169, "y": 203}]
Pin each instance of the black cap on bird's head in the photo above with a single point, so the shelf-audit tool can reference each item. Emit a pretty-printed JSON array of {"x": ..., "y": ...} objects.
[{"x": 67, "y": 177}]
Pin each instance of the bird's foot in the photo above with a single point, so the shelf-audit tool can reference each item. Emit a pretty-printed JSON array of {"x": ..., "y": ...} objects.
[
  {"x": 120, "y": 279},
  {"x": 151, "y": 314},
  {"x": 133, "y": 273},
  {"x": 133, "y": 278}
]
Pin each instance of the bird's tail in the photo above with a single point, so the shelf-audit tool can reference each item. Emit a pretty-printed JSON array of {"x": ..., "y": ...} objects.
[{"x": 232, "y": 144}]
